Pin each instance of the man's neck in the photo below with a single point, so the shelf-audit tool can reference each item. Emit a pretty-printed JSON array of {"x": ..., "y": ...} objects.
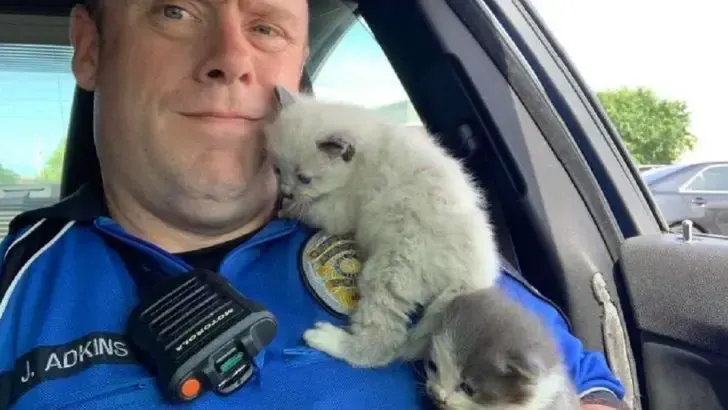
[{"x": 178, "y": 236}]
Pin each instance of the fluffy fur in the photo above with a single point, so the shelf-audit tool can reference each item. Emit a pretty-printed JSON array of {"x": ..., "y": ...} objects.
[
  {"x": 490, "y": 353},
  {"x": 415, "y": 213}
]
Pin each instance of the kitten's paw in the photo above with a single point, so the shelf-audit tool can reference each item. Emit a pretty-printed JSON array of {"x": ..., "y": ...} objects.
[
  {"x": 288, "y": 209},
  {"x": 327, "y": 338},
  {"x": 285, "y": 213}
]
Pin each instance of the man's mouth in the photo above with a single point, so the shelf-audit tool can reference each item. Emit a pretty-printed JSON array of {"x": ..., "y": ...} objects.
[
  {"x": 220, "y": 123},
  {"x": 221, "y": 115}
]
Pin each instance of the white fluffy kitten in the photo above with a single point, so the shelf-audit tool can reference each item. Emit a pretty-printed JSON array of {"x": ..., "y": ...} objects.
[
  {"x": 490, "y": 353},
  {"x": 414, "y": 212}
]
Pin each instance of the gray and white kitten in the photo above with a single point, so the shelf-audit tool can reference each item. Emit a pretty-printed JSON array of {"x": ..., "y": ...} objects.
[
  {"x": 414, "y": 212},
  {"x": 491, "y": 353}
]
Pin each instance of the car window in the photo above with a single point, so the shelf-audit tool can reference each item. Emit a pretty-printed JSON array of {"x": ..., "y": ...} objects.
[
  {"x": 357, "y": 71},
  {"x": 712, "y": 179},
  {"x": 668, "y": 106},
  {"x": 36, "y": 92}
]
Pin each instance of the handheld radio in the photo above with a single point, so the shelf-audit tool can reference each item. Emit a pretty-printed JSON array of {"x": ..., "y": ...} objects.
[{"x": 200, "y": 333}]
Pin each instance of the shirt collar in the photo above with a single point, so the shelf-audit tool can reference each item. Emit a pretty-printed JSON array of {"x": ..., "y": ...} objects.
[{"x": 88, "y": 204}]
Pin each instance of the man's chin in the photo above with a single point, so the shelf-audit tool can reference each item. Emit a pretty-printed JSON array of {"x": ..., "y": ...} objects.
[{"x": 219, "y": 213}]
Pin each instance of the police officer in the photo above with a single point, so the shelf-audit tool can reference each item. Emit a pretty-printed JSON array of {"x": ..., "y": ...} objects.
[{"x": 180, "y": 91}]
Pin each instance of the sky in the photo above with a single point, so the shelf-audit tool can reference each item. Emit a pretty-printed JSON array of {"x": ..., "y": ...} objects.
[
  {"x": 669, "y": 46},
  {"x": 34, "y": 110}
]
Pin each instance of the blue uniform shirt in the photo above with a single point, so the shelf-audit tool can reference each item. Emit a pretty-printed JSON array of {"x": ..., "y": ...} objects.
[{"x": 63, "y": 319}]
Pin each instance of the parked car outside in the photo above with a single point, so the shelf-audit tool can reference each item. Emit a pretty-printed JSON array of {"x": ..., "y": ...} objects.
[
  {"x": 697, "y": 191},
  {"x": 647, "y": 167}
]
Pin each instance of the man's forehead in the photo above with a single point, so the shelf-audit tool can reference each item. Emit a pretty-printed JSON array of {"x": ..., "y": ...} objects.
[
  {"x": 271, "y": 4},
  {"x": 295, "y": 12},
  {"x": 284, "y": 5}
]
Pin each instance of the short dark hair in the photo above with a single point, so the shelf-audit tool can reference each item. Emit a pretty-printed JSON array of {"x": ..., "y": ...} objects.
[
  {"x": 94, "y": 10},
  {"x": 92, "y": 4}
]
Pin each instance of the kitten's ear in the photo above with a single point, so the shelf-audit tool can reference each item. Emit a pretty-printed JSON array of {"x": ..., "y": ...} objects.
[
  {"x": 523, "y": 367},
  {"x": 336, "y": 146},
  {"x": 282, "y": 97}
]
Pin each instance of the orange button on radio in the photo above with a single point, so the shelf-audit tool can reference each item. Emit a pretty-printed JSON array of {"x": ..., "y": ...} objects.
[{"x": 190, "y": 388}]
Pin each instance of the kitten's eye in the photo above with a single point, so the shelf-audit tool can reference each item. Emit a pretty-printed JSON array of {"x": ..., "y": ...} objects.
[
  {"x": 304, "y": 179},
  {"x": 431, "y": 366},
  {"x": 467, "y": 389},
  {"x": 277, "y": 170}
]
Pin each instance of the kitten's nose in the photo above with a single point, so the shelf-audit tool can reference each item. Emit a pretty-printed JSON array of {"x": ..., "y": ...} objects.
[
  {"x": 437, "y": 397},
  {"x": 286, "y": 192}
]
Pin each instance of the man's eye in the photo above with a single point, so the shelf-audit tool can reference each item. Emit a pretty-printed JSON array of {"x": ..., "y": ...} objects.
[
  {"x": 263, "y": 29},
  {"x": 174, "y": 12}
]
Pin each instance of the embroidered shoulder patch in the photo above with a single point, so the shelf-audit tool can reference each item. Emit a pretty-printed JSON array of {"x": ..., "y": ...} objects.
[{"x": 330, "y": 266}]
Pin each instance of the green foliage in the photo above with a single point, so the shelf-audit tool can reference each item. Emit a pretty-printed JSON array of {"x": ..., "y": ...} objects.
[
  {"x": 654, "y": 129},
  {"x": 8, "y": 176},
  {"x": 53, "y": 169}
]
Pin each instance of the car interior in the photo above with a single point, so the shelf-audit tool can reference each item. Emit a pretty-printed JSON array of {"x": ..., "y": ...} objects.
[{"x": 566, "y": 200}]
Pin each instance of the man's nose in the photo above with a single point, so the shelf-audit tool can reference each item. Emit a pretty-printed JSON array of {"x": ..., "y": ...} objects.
[{"x": 231, "y": 56}]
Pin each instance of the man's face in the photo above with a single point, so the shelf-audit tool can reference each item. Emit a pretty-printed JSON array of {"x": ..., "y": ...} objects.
[{"x": 181, "y": 91}]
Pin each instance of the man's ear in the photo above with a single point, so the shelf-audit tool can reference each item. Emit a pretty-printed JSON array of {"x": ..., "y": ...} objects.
[
  {"x": 336, "y": 146},
  {"x": 84, "y": 37}
]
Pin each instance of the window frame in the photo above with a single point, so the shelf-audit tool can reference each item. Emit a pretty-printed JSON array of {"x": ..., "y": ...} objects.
[
  {"x": 324, "y": 40},
  {"x": 34, "y": 29},
  {"x": 43, "y": 31}
]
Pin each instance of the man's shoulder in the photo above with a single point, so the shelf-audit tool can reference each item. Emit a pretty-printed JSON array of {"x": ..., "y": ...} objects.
[
  {"x": 514, "y": 284},
  {"x": 24, "y": 245}
]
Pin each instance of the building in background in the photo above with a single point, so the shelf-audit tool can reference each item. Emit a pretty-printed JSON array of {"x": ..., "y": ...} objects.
[{"x": 401, "y": 112}]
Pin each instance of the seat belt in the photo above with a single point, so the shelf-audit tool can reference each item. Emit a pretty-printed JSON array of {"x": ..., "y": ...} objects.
[{"x": 146, "y": 272}]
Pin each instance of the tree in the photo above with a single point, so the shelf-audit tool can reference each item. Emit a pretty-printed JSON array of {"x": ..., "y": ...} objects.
[
  {"x": 654, "y": 129},
  {"x": 53, "y": 167},
  {"x": 8, "y": 176}
]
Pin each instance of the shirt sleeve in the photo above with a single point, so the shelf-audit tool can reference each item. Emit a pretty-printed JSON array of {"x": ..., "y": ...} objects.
[{"x": 589, "y": 370}]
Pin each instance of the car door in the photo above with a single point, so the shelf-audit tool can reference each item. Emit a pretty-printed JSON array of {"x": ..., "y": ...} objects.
[
  {"x": 707, "y": 196},
  {"x": 490, "y": 78},
  {"x": 673, "y": 291}
]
